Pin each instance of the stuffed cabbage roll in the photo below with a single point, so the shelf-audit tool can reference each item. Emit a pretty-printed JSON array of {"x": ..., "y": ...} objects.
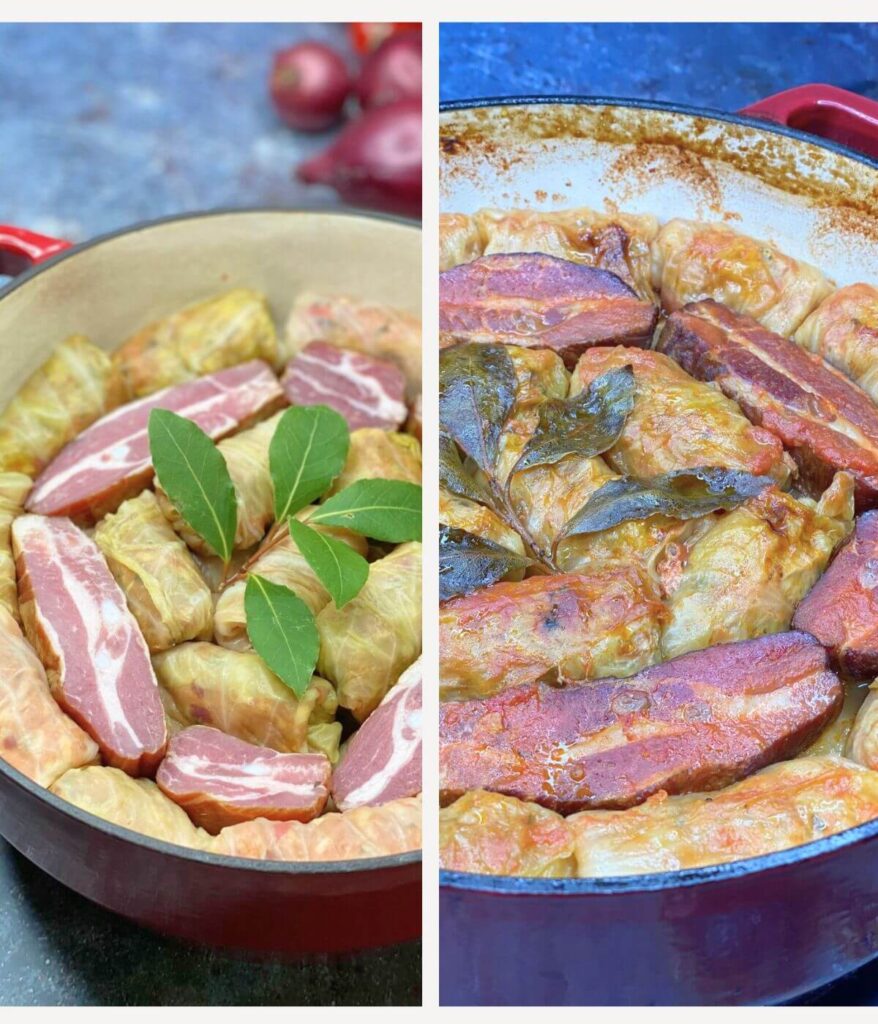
[
  {"x": 692, "y": 261},
  {"x": 843, "y": 329},
  {"x": 862, "y": 743},
  {"x": 162, "y": 585},
  {"x": 14, "y": 488},
  {"x": 369, "y": 327},
  {"x": 745, "y": 577},
  {"x": 75, "y": 386},
  {"x": 246, "y": 456},
  {"x": 280, "y": 561},
  {"x": 491, "y": 834},
  {"x": 366, "y": 645},
  {"x": 137, "y": 804},
  {"x": 678, "y": 422},
  {"x": 392, "y": 828},
  {"x": 617, "y": 242},
  {"x": 237, "y": 693},
  {"x": 464, "y": 514},
  {"x": 36, "y": 737},
  {"x": 213, "y": 335},
  {"x": 459, "y": 240},
  {"x": 788, "y": 804},
  {"x": 380, "y": 454}
]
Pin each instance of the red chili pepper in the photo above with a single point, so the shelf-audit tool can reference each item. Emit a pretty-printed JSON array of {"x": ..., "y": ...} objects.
[{"x": 366, "y": 35}]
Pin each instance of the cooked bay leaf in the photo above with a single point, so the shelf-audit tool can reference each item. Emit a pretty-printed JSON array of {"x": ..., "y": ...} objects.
[
  {"x": 282, "y": 630},
  {"x": 477, "y": 389},
  {"x": 338, "y": 567},
  {"x": 586, "y": 425},
  {"x": 307, "y": 452},
  {"x": 453, "y": 475},
  {"x": 682, "y": 494},
  {"x": 468, "y": 562},
  {"x": 195, "y": 477},
  {"x": 388, "y": 510}
]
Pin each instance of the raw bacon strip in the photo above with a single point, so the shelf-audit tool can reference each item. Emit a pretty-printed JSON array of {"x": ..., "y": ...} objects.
[
  {"x": 540, "y": 301},
  {"x": 36, "y": 737},
  {"x": 699, "y": 722},
  {"x": 110, "y": 461},
  {"x": 363, "y": 832},
  {"x": 368, "y": 392},
  {"x": 825, "y": 421},
  {"x": 220, "y": 780},
  {"x": 75, "y": 615},
  {"x": 383, "y": 758},
  {"x": 842, "y": 609}
]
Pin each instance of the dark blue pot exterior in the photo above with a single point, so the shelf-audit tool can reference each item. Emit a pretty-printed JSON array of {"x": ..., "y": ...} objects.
[{"x": 747, "y": 936}]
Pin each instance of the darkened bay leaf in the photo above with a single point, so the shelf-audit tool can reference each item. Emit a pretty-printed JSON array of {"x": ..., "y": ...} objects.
[
  {"x": 477, "y": 388},
  {"x": 453, "y": 475},
  {"x": 586, "y": 425},
  {"x": 683, "y": 494},
  {"x": 468, "y": 562}
]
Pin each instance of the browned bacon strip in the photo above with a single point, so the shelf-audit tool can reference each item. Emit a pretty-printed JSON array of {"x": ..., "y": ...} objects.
[
  {"x": 540, "y": 301},
  {"x": 825, "y": 421},
  {"x": 696, "y": 723},
  {"x": 95, "y": 656},
  {"x": 220, "y": 780},
  {"x": 842, "y": 609},
  {"x": 382, "y": 761},
  {"x": 110, "y": 461}
]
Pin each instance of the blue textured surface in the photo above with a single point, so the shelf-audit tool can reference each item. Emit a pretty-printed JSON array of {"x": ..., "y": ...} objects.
[
  {"x": 720, "y": 66},
  {"x": 725, "y": 67},
  {"x": 101, "y": 126}
]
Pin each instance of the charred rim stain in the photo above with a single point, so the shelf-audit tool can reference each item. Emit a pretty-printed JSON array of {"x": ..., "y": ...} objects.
[
  {"x": 16, "y": 778},
  {"x": 501, "y": 885}
]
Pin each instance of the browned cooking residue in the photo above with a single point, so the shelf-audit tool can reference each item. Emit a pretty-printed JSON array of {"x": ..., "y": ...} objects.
[
  {"x": 637, "y": 167},
  {"x": 660, "y": 144}
]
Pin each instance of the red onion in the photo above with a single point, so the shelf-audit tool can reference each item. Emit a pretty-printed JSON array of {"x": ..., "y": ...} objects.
[
  {"x": 392, "y": 71},
  {"x": 376, "y": 160},
  {"x": 309, "y": 85}
]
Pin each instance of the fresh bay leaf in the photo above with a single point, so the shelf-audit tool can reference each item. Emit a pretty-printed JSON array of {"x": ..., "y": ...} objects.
[
  {"x": 195, "y": 477},
  {"x": 282, "y": 630},
  {"x": 586, "y": 425},
  {"x": 477, "y": 389},
  {"x": 307, "y": 452},
  {"x": 468, "y": 562},
  {"x": 453, "y": 475},
  {"x": 338, "y": 567},
  {"x": 682, "y": 494},
  {"x": 388, "y": 510}
]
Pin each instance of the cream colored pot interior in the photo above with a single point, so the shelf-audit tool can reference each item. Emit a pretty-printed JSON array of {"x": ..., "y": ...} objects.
[
  {"x": 109, "y": 290},
  {"x": 817, "y": 205}
]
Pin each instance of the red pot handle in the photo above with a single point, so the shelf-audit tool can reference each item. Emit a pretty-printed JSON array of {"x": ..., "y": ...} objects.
[
  {"x": 20, "y": 249},
  {"x": 827, "y": 111}
]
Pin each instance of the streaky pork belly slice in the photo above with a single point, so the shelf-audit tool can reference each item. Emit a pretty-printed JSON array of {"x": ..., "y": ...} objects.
[
  {"x": 825, "y": 421},
  {"x": 540, "y": 301},
  {"x": 698, "y": 722},
  {"x": 382, "y": 761},
  {"x": 96, "y": 658},
  {"x": 220, "y": 780},
  {"x": 841, "y": 610},
  {"x": 110, "y": 461},
  {"x": 368, "y": 392}
]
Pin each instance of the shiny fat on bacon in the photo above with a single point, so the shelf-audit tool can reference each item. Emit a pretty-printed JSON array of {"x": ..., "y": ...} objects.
[
  {"x": 368, "y": 392},
  {"x": 220, "y": 780},
  {"x": 698, "y": 722},
  {"x": 96, "y": 658},
  {"x": 110, "y": 461},
  {"x": 382, "y": 761}
]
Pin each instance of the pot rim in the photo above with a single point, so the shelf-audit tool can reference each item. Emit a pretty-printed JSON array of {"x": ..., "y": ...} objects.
[
  {"x": 17, "y": 778},
  {"x": 745, "y": 120},
  {"x": 717, "y": 873}
]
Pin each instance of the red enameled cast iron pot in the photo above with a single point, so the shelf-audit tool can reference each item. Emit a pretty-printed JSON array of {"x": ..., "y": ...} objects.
[
  {"x": 105, "y": 289},
  {"x": 757, "y": 931}
]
